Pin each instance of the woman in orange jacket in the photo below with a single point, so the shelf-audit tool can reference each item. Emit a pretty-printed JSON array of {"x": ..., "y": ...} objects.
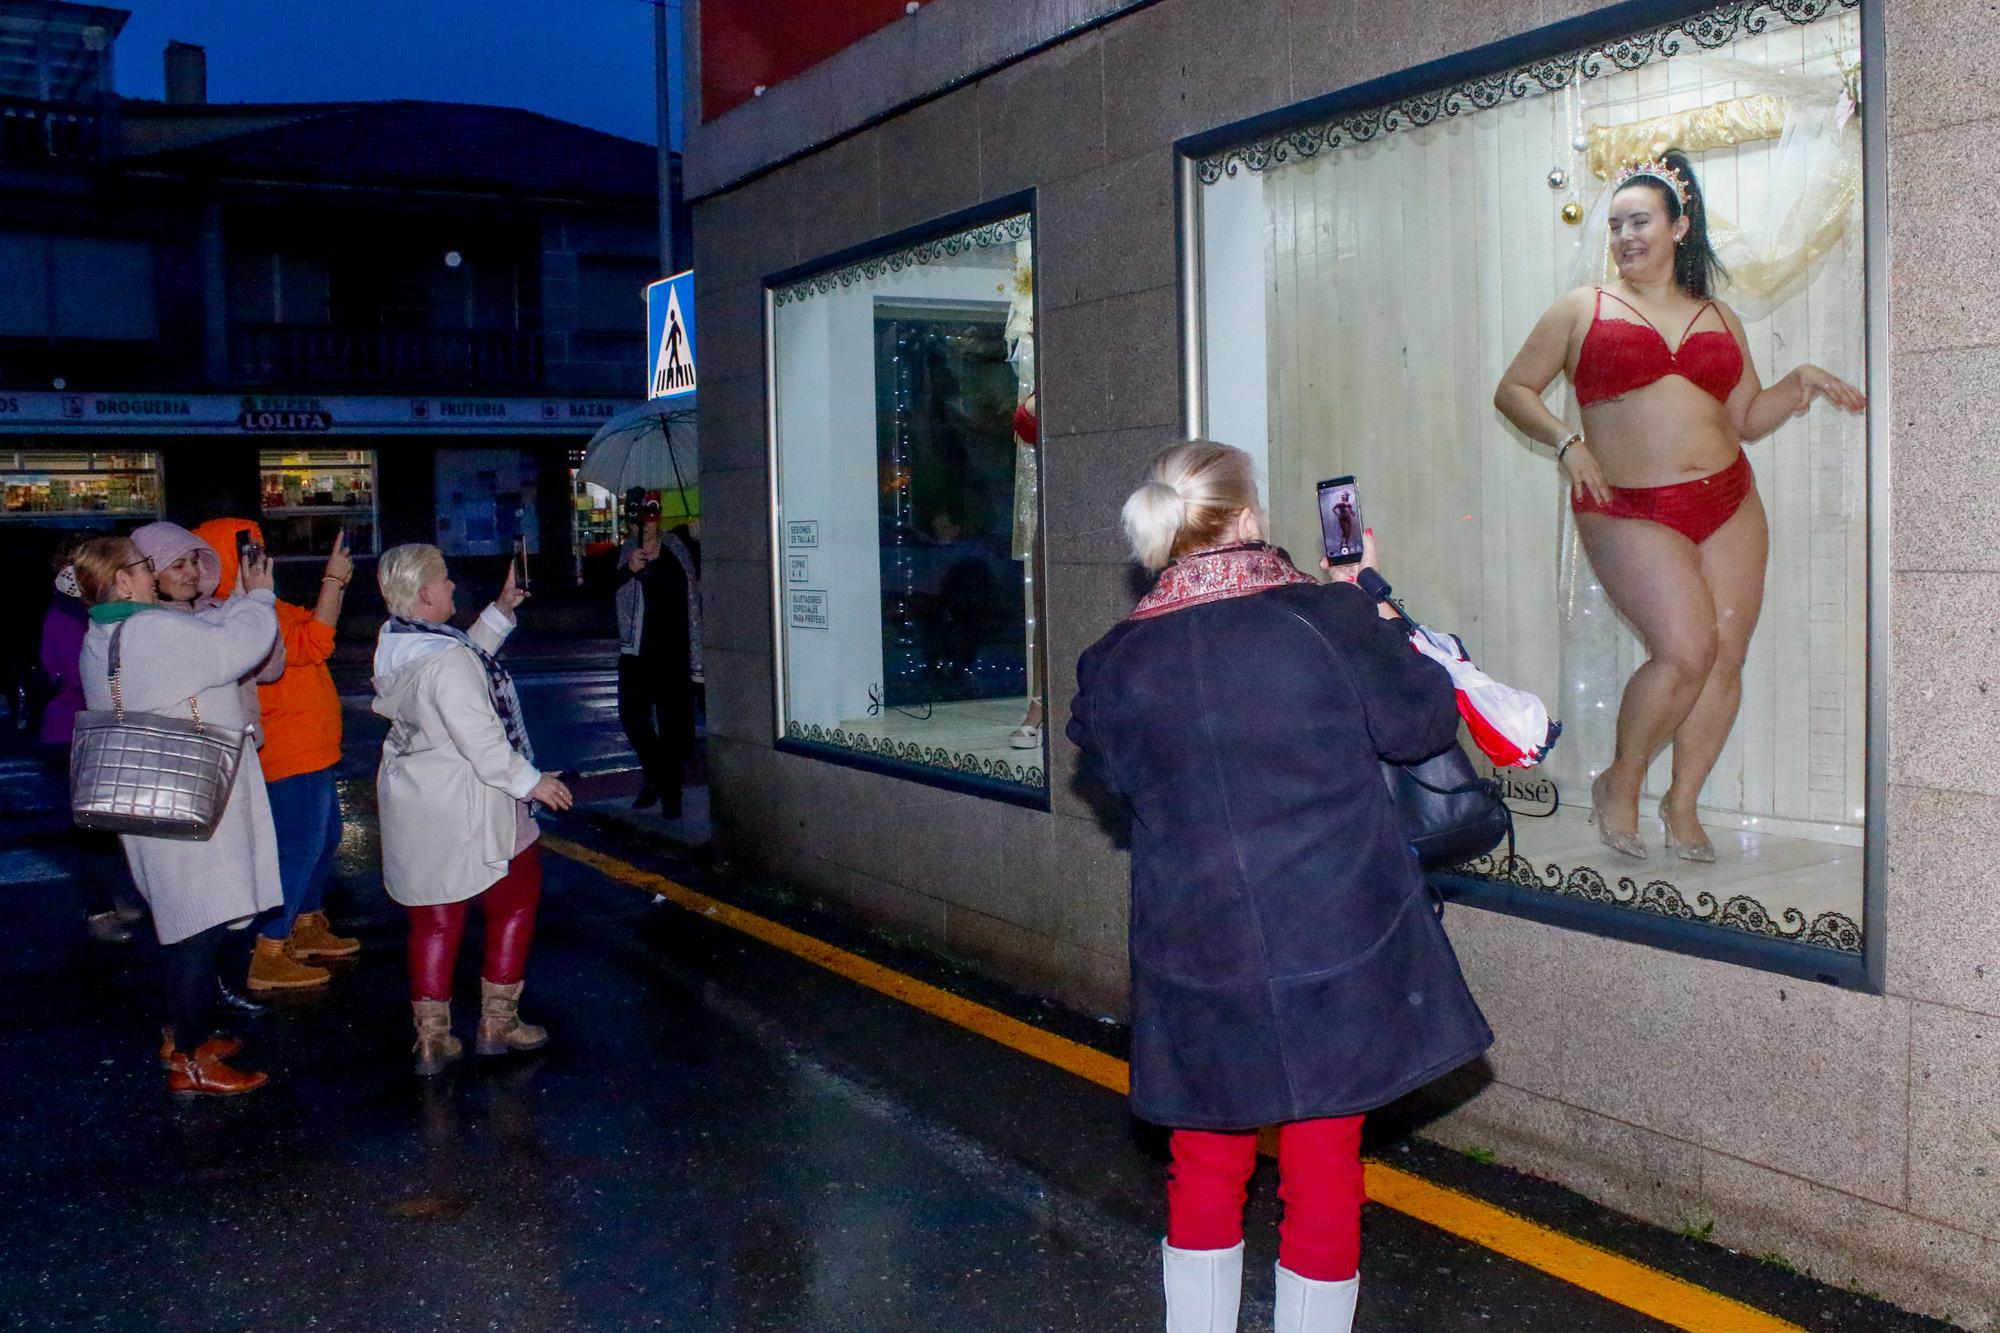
[{"x": 301, "y": 720}]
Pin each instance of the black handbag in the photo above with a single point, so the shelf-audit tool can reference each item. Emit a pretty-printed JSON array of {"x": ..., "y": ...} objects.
[{"x": 1452, "y": 815}]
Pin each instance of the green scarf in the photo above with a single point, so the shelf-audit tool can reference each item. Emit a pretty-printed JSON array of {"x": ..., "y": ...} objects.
[{"x": 110, "y": 613}]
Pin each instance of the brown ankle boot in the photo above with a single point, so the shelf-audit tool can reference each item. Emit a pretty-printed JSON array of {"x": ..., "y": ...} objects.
[
  {"x": 224, "y": 1046},
  {"x": 500, "y": 1027},
  {"x": 435, "y": 1047},
  {"x": 312, "y": 937},
  {"x": 205, "y": 1074},
  {"x": 272, "y": 967}
]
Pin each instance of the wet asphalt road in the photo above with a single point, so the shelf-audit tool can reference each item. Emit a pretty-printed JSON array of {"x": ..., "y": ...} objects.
[{"x": 719, "y": 1137}]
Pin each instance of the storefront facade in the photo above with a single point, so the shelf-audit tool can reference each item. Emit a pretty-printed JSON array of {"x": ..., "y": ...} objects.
[
  {"x": 469, "y": 474},
  {"x": 1318, "y": 231}
]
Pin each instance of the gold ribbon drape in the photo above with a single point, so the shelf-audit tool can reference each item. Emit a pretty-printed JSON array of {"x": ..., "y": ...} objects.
[{"x": 1724, "y": 125}]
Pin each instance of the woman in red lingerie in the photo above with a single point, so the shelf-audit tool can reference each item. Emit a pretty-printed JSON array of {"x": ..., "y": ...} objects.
[{"x": 1664, "y": 498}]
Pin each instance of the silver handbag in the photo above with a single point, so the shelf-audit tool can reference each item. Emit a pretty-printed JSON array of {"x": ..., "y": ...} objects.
[{"x": 149, "y": 774}]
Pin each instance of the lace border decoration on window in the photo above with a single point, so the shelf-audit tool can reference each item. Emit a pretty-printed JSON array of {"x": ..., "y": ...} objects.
[
  {"x": 913, "y": 752},
  {"x": 1704, "y": 31},
  {"x": 1828, "y": 930},
  {"x": 1004, "y": 232}
]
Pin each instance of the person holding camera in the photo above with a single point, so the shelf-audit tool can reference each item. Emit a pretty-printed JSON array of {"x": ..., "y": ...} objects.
[
  {"x": 659, "y": 646},
  {"x": 1287, "y": 967},
  {"x": 189, "y": 666},
  {"x": 456, "y": 789},
  {"x": 300, "y": 719}
]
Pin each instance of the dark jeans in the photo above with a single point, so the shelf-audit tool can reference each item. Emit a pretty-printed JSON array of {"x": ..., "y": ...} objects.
[
  {"x": 306, "y": 809},
  {"x": 187, "y": 973},
  {"x": 656, "y": 706}
]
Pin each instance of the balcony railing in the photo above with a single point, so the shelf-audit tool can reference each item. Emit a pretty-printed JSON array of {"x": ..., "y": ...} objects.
[{"x": 290, "y": 356}]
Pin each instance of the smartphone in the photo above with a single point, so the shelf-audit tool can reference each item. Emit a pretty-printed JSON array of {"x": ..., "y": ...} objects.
[
  {"x": 1340, "y": 524},
  {"x": 521, "y": 562},
  {"x": 247, "y": 550}
]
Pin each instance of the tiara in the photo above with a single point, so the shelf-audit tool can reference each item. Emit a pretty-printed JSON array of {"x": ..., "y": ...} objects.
[{"x": 1659, "y": 171}]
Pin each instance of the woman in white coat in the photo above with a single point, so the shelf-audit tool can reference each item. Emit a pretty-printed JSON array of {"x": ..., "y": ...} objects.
[
  {"x": 184, "y": 666},
  {"x": 455, "y": 788}
]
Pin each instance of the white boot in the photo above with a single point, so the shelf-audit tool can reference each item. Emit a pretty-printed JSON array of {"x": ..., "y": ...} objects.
[
  {"x": 1306, "y": 1306},
  {"x": 1204, "y": 1288}
]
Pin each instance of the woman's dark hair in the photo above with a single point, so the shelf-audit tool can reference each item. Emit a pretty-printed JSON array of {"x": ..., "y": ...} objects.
[{"x": 1696, "y": 268}]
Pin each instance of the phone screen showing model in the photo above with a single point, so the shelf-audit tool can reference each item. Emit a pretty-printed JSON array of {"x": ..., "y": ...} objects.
[
  {"x": 521, "y": 561},
  {"x": 1340, "y": 522},
  {"x": 248, "y": 552}
]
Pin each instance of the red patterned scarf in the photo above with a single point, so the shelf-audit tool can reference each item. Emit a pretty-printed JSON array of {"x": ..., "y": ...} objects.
[{"x": 1210, "y": 576}]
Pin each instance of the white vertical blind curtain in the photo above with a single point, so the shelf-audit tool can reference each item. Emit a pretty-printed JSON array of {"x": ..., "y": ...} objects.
[{"x": 1403, "y": 274}]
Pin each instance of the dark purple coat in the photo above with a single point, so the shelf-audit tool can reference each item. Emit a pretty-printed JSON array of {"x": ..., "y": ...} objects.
[
  {"x": 63, "y": 628},
  {"x": 1286, "y": 960}
]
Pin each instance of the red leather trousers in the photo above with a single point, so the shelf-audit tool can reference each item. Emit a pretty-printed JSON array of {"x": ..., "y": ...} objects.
[
  {"x": 1319, "y": 1183},
  {"x": 508, "y": 906}
]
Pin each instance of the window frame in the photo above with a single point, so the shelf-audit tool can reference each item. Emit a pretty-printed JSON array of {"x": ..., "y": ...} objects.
[
  {"x": 1865, "y": 971},
  {"x": 965, "y": 783}
]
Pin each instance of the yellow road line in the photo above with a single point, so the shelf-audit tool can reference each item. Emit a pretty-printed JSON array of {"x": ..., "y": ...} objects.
[{"x": 1662, "y": 1296}]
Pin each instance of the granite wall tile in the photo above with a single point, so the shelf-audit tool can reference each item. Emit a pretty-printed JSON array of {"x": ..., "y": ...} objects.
[
  {"x": 736, "y": 514},
  {"x": 1944, "y": 916},
  {"x": 1085, "y": 481},
  {"x": 930, "y": 160},
  {"x": 740, "y": 701},
  {"x": 1107, "y": 232},
  {"x": 1943, "y": 63},
  {"x": 1955, "y": 1118},
  {"x": 835, "y": 197},
  {"x": 1841, "y": 1240},
  {"x": 1042, "y": 119},
  {"x": 1944, "y": 289},
  {"x": 1110, "y": 365},
  {"x": 736, "y": 606},
  {"x": 1176, "y": 69},
  {"x": 732, "y": 426},
  {"x": 1945, "y": 466},
  {"x": 1946, "y": 724},
  {"x": 730, "y": 334}
]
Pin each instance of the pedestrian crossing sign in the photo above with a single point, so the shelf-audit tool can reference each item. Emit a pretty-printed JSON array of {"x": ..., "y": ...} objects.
[{"x": 670, "y": 335}]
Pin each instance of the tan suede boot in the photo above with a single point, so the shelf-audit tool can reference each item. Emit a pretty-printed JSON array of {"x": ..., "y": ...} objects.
[
  {"x": 272, "y": 967},
  {"x": 435, "y": 1047},
  {"x": 312, "y": 937},
  {"x": 500, "y": 1027}
]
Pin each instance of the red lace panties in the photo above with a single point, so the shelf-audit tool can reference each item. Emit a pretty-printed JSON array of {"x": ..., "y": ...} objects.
[{"x": 1695, "y": 509}]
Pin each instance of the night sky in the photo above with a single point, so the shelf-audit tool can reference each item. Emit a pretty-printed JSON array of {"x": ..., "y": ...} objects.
[{"x": 588, "y": 61}]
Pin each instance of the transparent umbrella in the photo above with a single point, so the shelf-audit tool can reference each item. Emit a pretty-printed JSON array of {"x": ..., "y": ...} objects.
[{"x": 651, "y": 448}]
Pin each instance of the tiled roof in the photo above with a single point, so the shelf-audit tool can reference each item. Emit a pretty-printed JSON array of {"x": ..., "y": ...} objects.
[{"x": 427, "y": 145}]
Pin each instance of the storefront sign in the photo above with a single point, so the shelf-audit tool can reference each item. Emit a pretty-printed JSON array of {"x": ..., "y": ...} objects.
[
  {"x": 287, "y": 414},
  {"x": 808, "y": 609},
  {"x": 284, "y": 416},
  {"x": 1527, "y": 793}
]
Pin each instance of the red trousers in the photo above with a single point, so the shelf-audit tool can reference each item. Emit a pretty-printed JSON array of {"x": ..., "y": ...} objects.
[
  {"x": 1319, "y": 1183},
  {"x": 508, "y": 906}
]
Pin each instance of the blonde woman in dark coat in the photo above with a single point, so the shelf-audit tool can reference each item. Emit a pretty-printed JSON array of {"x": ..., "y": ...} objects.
[{"x": 1287, "y": 968}]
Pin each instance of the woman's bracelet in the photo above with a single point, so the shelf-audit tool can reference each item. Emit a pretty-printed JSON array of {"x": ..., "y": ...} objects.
[
  {"x": 328, "y": 578},
  {"x": 1576, "y": 437}
]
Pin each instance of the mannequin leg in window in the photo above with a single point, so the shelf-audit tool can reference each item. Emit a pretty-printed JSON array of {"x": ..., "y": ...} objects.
[
  {"x": 1732, "y": 563},
  {"x": 1653, "y": 576},
  {"x": 1028, "y": 736}
]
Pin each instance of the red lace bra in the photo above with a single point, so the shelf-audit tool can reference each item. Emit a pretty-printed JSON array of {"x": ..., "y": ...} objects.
[{"x": 1619, "y": 356}]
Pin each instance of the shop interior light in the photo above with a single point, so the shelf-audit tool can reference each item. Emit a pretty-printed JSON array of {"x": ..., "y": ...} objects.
[{"x": 452, "y": 259}]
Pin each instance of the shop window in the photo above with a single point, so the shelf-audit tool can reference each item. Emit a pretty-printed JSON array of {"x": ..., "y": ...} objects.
[
  {"x": 486, "y": 498},
  {"x": 1361, "y": 283},
  {"x": 270, "y": 288},
  {"x": 83, "y": 287},
  {"x": 907, "y": 523},
  {"x": 311, "y": 494},
  {"x": 79, "y": 486}
]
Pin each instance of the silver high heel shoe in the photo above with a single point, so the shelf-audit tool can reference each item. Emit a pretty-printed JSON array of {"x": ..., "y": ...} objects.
[
  {"x": 1702, "y": 852},
  {"x": 1625, "y": 844}
]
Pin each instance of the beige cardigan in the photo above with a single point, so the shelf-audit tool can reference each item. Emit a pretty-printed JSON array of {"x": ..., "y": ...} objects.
[{"x": 450, "y": 786}]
